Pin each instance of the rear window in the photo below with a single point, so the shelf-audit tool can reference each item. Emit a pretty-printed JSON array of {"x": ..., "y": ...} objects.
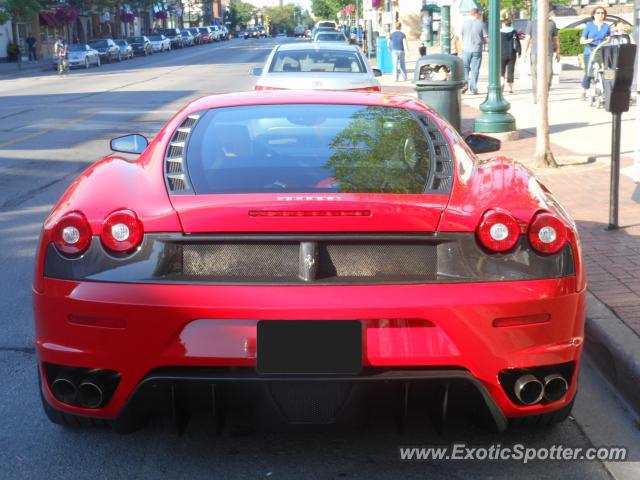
[
  {"x": 330, "y": 37},
  {"x": 76, "y": 47},
  {"x": 317, "y": 61},
  {"x": 155, "y": 38},
  {"x": 99, "y": 43},
  {"x": 137, "y": 39},
  {"x": 309, "y": 148}
]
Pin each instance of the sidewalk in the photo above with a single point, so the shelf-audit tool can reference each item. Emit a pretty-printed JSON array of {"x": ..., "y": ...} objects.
[
  {"x": 581, "y": 143},
  {"x": 28, "y": 69}
]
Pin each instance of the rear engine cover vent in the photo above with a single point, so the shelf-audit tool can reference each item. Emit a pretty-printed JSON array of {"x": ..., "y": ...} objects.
[
  {"x": 441, "y": 178},
  {"x": 175, "y": 170}
]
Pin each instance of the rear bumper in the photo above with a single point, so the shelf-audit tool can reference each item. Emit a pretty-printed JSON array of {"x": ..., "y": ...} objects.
[{"x": 405, "y": 327}]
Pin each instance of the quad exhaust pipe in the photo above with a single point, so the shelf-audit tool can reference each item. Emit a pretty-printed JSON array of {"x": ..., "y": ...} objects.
[
  {"x": 555, "y": 387},
  {"x": 529, "y": 390},
  {"x": 91, "y": 391}
]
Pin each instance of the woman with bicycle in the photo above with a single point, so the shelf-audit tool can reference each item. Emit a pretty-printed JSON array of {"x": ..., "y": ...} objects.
[{"x": 595, "y": 32}]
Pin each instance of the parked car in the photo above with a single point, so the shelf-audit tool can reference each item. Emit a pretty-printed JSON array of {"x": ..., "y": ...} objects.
[
  {"x": 141, "y": 45},
  {"x": 250, "y": 33},
  {"x": 332, "y": 37},
  {"x": 308, "y": 254},
  {"x": 197, "y": 36},
  {"x": 187, "y": 38},
  {"x": 80, "y": 55},
  {"x": 107, "y": 49},
  {"x": 174, "y": 35},
  {"x": 216, "y": 33},
  {"x": 323, "y": 66},
  {"x": 207, "y": 36},
  {"x": 160, "y": 43},
  {"x": 126, "y": 50}
]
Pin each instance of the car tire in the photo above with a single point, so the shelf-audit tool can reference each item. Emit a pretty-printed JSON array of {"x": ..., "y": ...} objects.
[
  {"x": 544, "y": 419},
  {"x": 86, "y": 63}
]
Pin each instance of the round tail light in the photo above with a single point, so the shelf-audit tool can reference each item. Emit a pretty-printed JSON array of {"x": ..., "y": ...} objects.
[
  {"x": 498, "y": 231},
  {"x": 547, "y": 233},
  {"x": 72, "y": 234},
  {"x": 121, "y": 231}
]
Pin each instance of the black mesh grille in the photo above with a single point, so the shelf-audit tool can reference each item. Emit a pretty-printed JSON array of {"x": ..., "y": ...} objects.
[
  {"x": 241, "y": 260},
  {"x": 256, "y": 261},
  {"x": 310, "y": 402},
  {"x": 378, "y": 260}
]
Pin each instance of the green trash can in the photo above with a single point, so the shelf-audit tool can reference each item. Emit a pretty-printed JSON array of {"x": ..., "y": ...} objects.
[{"x": 438, "y": 80}]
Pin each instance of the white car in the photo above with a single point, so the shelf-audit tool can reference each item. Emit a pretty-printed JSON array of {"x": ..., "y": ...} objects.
[
  {"x": 332, "y": 37},
  {"x": 160, "y": 43},
  {"x": 327, "y": 66},
  {"x": 216, "y": 33}
]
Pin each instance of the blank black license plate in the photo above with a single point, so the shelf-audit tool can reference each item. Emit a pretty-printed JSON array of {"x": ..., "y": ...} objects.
[{"x": 293, "y": 347}]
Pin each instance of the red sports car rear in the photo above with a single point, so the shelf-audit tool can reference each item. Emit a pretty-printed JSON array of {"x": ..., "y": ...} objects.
[{"x": 293, "y": 253}]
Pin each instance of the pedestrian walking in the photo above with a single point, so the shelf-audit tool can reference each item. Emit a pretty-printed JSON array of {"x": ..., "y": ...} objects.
[
  {"x": 397, "y": 46},
  {"x": 531, "y": 52},
  {"x": 595, "y": 32},
  {"x": 473, "y": 35},
  {"x": 31, "y": 47},
  {"x": 510, "y": 51}
]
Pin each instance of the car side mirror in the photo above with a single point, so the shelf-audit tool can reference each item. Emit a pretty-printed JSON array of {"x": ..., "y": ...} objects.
[
  {"x": 479, "y": 143},
  {"x": 135, "y": 144},
  {"x": 256, "y": 72},
  {"x": 377, "y": 72}
]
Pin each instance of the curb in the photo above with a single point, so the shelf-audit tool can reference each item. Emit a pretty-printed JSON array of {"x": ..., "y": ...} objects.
[{"x": 614, "y": 348}]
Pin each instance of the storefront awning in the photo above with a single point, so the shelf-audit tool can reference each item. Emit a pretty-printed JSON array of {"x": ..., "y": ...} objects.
[{"x": 48, "y": 18}]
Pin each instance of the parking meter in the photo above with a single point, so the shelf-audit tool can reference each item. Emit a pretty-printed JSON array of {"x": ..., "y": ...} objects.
[{"x": 619, "y": 62}]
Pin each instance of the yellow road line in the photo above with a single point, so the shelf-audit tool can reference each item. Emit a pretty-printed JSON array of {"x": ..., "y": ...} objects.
[{"x": 44, "y": 132}]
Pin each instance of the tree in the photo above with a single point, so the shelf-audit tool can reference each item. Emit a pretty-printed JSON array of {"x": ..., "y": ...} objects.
[
  {"x": 328, "y": 9},
  {"x": 283, "y": 18},
  {"x": 543, "y": 157},
  {"x": 23, "y": 10},
  {"x": 241, "y": 13}
]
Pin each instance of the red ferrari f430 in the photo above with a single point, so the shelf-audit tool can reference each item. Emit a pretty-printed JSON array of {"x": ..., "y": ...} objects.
[{"x": 295, "y": 254}]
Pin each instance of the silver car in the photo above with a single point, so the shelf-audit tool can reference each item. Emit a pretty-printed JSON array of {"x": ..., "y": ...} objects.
[
  {"x": 160, "y": 43},
  {"x": 326, "y": 36},
  {"x": 330, "y": 66},
  {"x": 80, "y": 55}
]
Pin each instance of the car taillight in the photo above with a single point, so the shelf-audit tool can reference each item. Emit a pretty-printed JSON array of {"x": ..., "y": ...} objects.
[
  {"x": 498, "y": 231},
  {"x": 72, "y": 234},
  {"x": 121, "y": 231},
  {"x": 366, "y": 89},
  {"x": 547, "y": 233}
]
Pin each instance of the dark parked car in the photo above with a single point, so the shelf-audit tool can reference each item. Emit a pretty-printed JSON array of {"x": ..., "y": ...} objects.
[
  {"x": 197, "y": 36},
  {"x": 141, "y": 45},
  {"x": 126, "y": 50},
  {"x": 107, "y": 49},
  {"x": 250, "y": 33},
  {"x": 175, "y": 35},
  {"x": 187, "y": 38}
]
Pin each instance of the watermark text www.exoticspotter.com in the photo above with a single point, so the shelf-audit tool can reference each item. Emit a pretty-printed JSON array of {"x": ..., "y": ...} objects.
[{"x": 517, "y": 452}]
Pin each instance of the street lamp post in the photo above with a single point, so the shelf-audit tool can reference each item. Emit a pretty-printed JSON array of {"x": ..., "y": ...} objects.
[{"x": 495, "y": 115}]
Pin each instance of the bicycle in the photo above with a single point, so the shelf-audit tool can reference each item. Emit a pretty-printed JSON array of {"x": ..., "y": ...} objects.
[{"x": 63, "y": 65}]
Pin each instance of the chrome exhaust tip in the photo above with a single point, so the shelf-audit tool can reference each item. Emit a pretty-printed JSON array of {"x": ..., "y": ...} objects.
[
  {"x": 555, "y": 387},
  {"x": 90, "y": 394},
  {"x": 528, "y": 389},
  {"x": 64, "y": 389}
]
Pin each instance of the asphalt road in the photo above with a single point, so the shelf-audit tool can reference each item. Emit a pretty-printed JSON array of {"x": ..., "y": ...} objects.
[{"x": 51, "y": 129}]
